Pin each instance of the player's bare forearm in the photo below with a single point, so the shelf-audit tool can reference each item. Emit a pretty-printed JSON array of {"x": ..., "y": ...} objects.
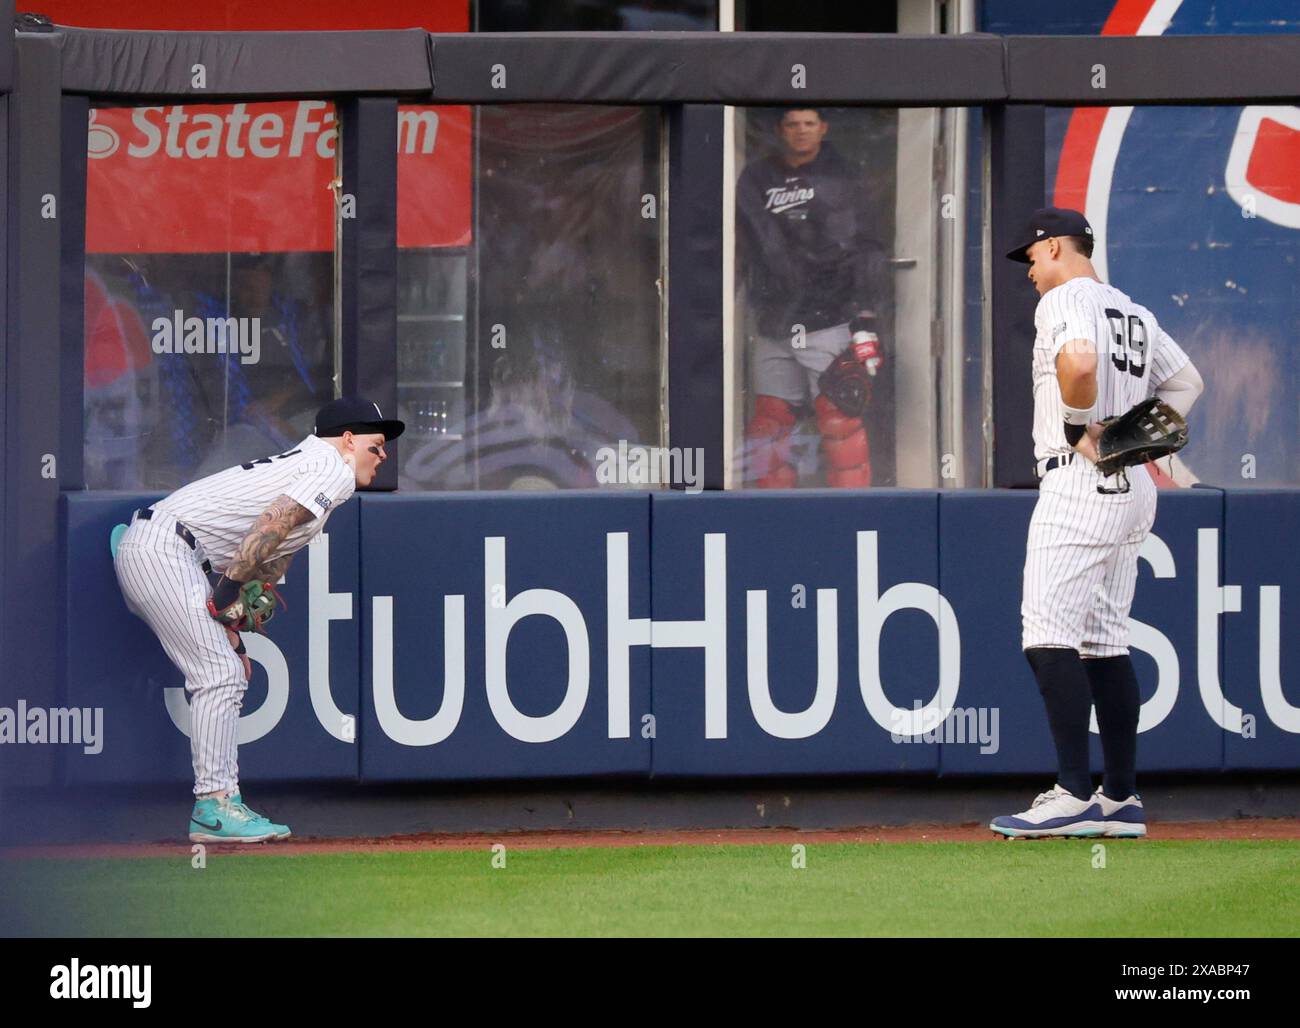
[
  {"x": 1088, "y": 444},
  {"x": 265, "y": 537},
  {"x": 1076, "y": 373},
  {"x": 272, "y": 570}
]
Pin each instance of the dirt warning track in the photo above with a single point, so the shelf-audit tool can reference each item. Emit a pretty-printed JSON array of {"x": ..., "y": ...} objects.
[{"x": 1239, "y": 829}]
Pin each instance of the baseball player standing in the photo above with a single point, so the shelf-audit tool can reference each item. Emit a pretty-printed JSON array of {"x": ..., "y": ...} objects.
[
  {"x": 1096, "y": 355},
  {"x": 813, "y": 282},
  {"x": 247, "y": 521}
]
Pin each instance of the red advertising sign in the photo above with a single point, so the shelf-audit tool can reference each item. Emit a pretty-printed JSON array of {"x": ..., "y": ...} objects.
[
  {"x": 256, "y": 177},
  {"x": 434, "y": 165}
]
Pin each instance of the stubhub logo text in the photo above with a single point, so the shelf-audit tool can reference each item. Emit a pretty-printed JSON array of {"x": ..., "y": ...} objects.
[{"x": 851, "y": 632}]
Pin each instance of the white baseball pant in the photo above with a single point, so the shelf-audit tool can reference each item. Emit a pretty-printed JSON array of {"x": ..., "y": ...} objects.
[
  {"x": 1081, "y": 559},
  {"x": 163, "y": 583}
]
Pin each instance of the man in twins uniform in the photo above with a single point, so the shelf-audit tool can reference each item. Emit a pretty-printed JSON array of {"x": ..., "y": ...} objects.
[
  {"x": 184, "y": 565},
  {"x": 1097, "y": 354},
  {"x": 806, "y": 261}
]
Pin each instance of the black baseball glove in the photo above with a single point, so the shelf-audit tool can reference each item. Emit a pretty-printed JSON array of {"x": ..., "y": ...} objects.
[
  {"x": 846, "y": 382},
  {"x": 1147, "y": 431}
]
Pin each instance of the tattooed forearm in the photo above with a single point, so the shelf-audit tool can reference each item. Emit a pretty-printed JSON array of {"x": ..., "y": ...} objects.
[
  {"x": 265, "y": 537},
  {"x": 271, "y": 570}
]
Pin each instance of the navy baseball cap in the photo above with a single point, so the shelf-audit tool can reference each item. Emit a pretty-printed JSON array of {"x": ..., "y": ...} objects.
[
  {"x": 1047, "y": 222},
  {"x": 357, "y": 415}
]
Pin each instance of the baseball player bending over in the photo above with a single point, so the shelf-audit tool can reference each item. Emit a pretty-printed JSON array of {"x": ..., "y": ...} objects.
[
  {"x": 248, "y": 520},
  {"x": 1096, "y": 355}
]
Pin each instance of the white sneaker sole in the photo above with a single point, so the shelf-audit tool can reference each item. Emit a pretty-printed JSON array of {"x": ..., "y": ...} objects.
[
  {"x": 1079, "y": 830},
  {"x": 1125, "y": 830},
  {"x": 206, "y": 837},
  {"x": 1083, "y": 830}
]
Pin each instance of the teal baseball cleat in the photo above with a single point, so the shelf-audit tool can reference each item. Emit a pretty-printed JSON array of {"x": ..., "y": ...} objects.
[
  {"x": 226, "y": 819},
  {"x": 281, "y": 831}
]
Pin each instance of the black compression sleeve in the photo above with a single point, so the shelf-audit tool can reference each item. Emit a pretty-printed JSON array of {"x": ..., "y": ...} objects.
[{"x": 225, "y": 593}]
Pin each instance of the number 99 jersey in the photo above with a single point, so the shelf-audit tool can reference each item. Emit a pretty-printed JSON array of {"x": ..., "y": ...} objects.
[{"x": 1134, "y": 354}]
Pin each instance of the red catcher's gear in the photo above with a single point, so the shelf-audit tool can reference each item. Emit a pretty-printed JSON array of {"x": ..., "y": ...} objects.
[
  {"x": 768, "y": 437},
  {"x": 844, "y": 441}
]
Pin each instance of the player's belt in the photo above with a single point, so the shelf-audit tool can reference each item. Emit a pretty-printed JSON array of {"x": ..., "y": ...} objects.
[
  {"x": 147, "y": 513},
  {"x": 1052, "y": 463}
]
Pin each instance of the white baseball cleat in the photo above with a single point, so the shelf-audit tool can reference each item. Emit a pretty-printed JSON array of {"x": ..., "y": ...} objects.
[
  {"x": 1124, "y": 819},
  {"x": 1057, "y": 812}
]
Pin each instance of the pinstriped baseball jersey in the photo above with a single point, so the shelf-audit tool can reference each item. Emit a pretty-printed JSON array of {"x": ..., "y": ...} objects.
[
  {"x": 163, "y": 583},
  {"x": 1135, "y": 355},
  {"x": 1081, "y": 555},
  {"x": 221, "y": 509}
]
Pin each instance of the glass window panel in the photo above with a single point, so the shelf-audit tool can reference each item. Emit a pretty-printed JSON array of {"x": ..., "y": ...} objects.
[
  {"x": 209, "y": 286},
  {"x": 529, "y": 305},
  {"x": 851, "y": 239}
]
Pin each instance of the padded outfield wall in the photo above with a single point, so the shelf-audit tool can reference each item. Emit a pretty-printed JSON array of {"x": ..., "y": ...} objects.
[{"x": 498, "y": 637}]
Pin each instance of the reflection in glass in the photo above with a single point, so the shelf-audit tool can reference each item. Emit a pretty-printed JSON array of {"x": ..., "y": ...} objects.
[
  {"x": 209, "y": 313},
  {"x": 532, "y": 350},
  {"x": 160, "y": 411}
]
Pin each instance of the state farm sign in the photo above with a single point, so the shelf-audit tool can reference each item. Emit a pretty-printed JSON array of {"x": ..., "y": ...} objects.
[{"x": 243, "y": 178}]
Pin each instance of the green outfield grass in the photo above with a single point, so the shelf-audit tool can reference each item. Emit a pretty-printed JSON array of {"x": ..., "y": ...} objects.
[{"x": 1022, "y": 888}]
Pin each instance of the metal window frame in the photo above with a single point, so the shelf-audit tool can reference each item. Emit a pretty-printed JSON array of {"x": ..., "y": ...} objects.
[{"x": 367, "y": 288}]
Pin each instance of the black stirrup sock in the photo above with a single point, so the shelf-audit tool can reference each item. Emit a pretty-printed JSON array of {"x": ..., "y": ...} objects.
[
  {"x": 1115, "y": 692},
  {"x": 1066, "y": 694}
]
